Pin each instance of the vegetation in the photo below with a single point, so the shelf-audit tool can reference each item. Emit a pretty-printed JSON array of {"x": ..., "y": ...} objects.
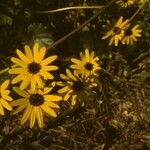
[{"x": 75, "y": 74}]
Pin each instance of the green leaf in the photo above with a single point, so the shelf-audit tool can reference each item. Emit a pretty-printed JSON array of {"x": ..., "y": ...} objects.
[
  {"x": 36, "y": 32},
  {"x": 5, "y": 20}
]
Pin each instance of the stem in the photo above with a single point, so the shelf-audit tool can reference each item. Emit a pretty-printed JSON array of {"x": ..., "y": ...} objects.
[
  {"x": 81, "y": 26},
  {"x": 138, "y": 10},
  {"x": 68, "y": 8}
]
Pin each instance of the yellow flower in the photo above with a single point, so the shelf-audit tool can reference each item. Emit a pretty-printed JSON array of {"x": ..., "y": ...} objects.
[
  {"x": 4, "y": 97},
  {"x": 116, "y": 33},
  {"x": 87, "y": 64},
  {"x": 34, "y": 102},
  {"x": 75, "y": 87},
  {"x": 131, "y": 35},
  {"x": 31, "y": 67},
  {"x": 125, "y": 3},
  {"x": 141, "y": 2}
]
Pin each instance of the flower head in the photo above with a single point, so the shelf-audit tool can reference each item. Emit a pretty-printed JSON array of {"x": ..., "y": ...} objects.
[
  {"x": 31, "y": 67},
  {"x": 4, "y": 97},
  {"x": 131, "y": 35},
  {"x": 117, "y": 32},
  {"x": 87, "y": 64},
  {"x": 34, "y": 103},
  {"x": 75, "y": 87},
  {"x": 125, "y": 3}
]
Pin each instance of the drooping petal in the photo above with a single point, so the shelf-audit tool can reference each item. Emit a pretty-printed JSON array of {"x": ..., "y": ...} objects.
[
  {"x": 49, "y": 111},
  {"x": 32, "y": 118},
  {"x": 39, "y": 116},
  {"x": 1, "y": 109},
  {"x": 5, "y": 104},
  {"x": 21, "y": 92},
  {"x": 26, "y": 114}
]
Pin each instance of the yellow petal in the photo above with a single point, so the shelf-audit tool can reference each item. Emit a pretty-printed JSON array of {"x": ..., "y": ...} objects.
[
  {"x": 8, "y": 98},
  {"x": 26, "y": 114},
  {"x": 67, "y": 96},
  {"x": 18, "y": 109},
  {"x": 5, "y": 84},
  {"x": 51, "y": 104},
  {"x": 48, "y": 60},
  {"x": 119, "y": 21},
  {"x": 1, "y": 109},
  {"x": 52, "y": 98},
  {"x": 32, "y": 118},
  {"x": 42, "y": 54},
  {"x": 17, "y": 79},
  {"x": 39, "y": 116},
  {"x": 76, "y": 61},
  {"x": 49, "y": 111},
  {"x": 21, "y": 92},
  {"x": 87, "y": 55},
  {"x": 50, "y": 68},
  {"x": 25, "y": 82},
  {"x": 18, "y": 62},
  {"x": 73, "y": 100},
  {"x": 46, "y": 75},
  {"x": 64, "y": 77},
  {"x": 28, "y": 52},
  {"x": 17, "y": 71},
  {"x": 39, "y": 81},
  {"x": 64, "y": 89},
  {"x": 33, "y": 83},
  {"x": 35, "y": 52},
  {"x": 5, "y": 104},
  {"x": 70, "y": 75},
  {"x": 21, "y": 101},
  {"x": 23, "y": 57}
]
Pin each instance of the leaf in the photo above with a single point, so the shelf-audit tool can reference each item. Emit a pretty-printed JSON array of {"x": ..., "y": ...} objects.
[
  {"x": 36, "y": 32},
  {"x": 5, "y": 20}
]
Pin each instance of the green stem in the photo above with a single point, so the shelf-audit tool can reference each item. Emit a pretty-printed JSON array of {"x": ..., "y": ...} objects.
[
  {"x": 68, "y": 8},
  {"x": 138, "y": 10},
  {"x": 81, "y": 26}
]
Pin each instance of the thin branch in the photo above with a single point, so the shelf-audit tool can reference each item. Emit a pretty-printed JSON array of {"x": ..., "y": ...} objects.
[
  {"x": 68, "y": 8},
  {"x": 81, "y": 26}
]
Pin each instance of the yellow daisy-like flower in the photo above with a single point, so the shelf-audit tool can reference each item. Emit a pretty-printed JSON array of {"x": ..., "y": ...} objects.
[
  {"x": 117, "y": 32},
  {"x": 125, "y": 3},
  {"x": 87, "y": 64},
  {"x": 4, "y": 97},
  {"x": 131, "y": 35},
  {"x": 75, "y": 87},
  {"x": 31, "y": 67},
  {"x": 34, "y": 102}
]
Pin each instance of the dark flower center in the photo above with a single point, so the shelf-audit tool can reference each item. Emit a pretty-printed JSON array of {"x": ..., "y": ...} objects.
[
  {"x": 128, "y": 32},
  {"x": 88, "y": 66},
  {"x": 36, "y": 99},
  {"x": 125, "y": 1},
  {"x": 34, "y": 67},
  {"x": 116, "y": 30},
  {"x": 78, "y": 86}
]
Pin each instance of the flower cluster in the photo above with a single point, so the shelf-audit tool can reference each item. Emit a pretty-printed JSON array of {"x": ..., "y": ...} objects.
[
  {"x": 123, "y": 32},
  {"x": 30, "y": 72},
  {"x": 129, "y": 3}
]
